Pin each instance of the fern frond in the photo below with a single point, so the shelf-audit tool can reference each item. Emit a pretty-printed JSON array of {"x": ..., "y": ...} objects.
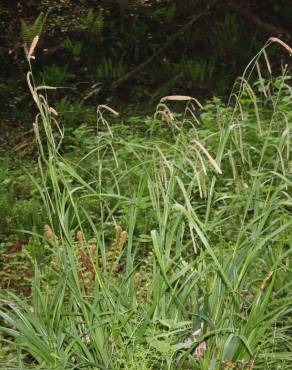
[
  {"x": 38, "y": 24},
  {"x": 25, "y": 33},
  {"x": 93, "y": 22},
  {"x": 29, "y": 32}
]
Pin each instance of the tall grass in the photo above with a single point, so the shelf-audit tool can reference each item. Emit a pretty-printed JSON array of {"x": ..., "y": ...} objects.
[{"x": 168, "y": 250}]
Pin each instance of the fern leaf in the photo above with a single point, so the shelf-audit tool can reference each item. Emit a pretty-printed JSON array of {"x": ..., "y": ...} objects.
[
  {"x": 28, "y": 33},
  {"x": 25, "y": 33},
  {"x": 38, "y": 25}
]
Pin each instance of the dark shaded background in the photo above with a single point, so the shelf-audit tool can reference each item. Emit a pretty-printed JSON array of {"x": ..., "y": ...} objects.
[{"x": 203, "y": 60}]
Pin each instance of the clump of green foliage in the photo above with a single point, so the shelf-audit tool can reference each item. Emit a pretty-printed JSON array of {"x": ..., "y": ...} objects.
[
  {"x": 167, "y": 240},
  {"x": 20, "y": 205}
]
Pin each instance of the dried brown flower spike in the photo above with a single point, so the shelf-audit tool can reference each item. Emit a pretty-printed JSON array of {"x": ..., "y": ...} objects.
[
  {"x": 30, "y": 52},
  {"x": 50, "y": 235},
  {"x": 80, "y": 239}
]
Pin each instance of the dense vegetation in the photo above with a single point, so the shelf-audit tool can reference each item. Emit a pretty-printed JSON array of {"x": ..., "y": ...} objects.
[
  {"x": 166, "y": 241},
  {"x": 146, "y": 240}
]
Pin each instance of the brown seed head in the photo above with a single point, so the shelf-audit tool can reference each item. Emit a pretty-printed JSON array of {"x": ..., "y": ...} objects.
[
  {"x": 123, "y": 239},
  {"x": 49, "y": 234},
  {"x": 93, "y": 251},
  {"x": 119, "y": 231},
  {"x": 32, "y": 47},
  {"x": 79, "y": 237}
]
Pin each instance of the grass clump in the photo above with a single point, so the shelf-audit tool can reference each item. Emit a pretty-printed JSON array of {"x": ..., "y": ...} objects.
[{"x": 168, "y": 246}]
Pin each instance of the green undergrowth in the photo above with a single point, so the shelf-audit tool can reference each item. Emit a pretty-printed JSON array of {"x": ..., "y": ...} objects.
[{"x": 167, "y": 242}]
